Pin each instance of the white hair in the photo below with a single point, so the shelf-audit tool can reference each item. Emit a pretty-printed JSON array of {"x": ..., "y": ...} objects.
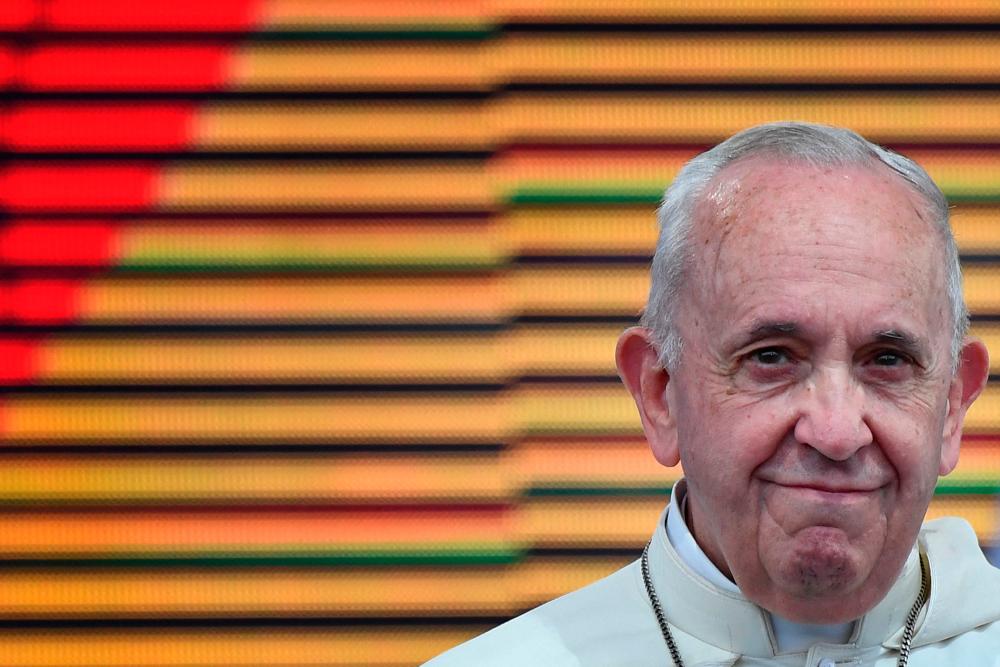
[{"x": 816, "y": 145}]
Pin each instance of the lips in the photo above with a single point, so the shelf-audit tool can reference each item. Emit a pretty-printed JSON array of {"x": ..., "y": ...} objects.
[{"x": 829, "y": 488}]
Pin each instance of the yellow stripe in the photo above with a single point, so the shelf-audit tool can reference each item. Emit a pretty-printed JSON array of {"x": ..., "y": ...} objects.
[
  {"x": 275, "y": 359},
  {"x": 976, "y": 229},
  {"x": 616, "y": 462},
  {"x": 350, "y": 298},
  {"x": 980, "y": 511},
  {"x": 360, "y": 13},
  {"x": 628, "y": 522},
  {"x": 535, "y": 290},
  {"x": 469, "y": 357},
  {"x": 479, "y": 357},
  {"x": 288, "y": 242},
  {"x": 298, "y": 186},
  {"x": 262, "y": 592},
  {"x": 702, "y": 57},
  {"x": 271, "y": 187},
  {"x": 709, "y": 57},
  {"x": 383, "y": 65},
  {"x": 580, "y": 230},
  {"x": 260, "y": 532},
  {"x": 317, "y": 126},
  {"x": 583, "y": 409},
  {"x": 848, "y": 11},
  {"x": 524, "y": 230},
  {"x": 660, "y": 117},
  {"x": 277, "y": 479},
  {"x": 311, "y": 14},
  {"x": 385, "y": 592},
  {"x": 271, "y": 419},
  {"x": 605, "y": 461},
  {"x": 982, "y": 291},
  {"x": 590, "y": 522},
  {"x": 288, "y": 647}
]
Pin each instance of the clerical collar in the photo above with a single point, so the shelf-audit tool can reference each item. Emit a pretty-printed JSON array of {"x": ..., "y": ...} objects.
[{"x": 790, "y": 636}]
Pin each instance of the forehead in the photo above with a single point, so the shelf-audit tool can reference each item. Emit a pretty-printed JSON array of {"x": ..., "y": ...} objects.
[{"x": 772, "y": 233}]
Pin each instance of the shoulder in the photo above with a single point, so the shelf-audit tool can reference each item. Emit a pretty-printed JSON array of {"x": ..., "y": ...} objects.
[
  {"x": 610, "y": 617},
  {"x": 965, "y": 587}
]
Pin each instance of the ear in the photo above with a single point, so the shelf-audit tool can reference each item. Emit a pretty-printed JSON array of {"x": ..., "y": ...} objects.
[
  {"x": 968, "y": 382},
  {"x": 647, "y": 380}
]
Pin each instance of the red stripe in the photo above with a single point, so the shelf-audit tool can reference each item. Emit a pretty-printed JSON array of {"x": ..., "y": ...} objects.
[
  {"x": 165, "y": 15},
  {"x": 55, "y": 126},
  {"x": 114, "y": 66},
  {"x": 40, "y": 301},
  {"x": 18, "y": 359},
  {"x": 30, "y": 243},
  {"x": 7, "y": 65},
  {"x": 77, "y": 187},
  {"x": 18, "y": 14}
]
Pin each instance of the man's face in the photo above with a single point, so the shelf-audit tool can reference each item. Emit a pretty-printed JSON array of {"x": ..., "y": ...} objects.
[{"x": 811, "y": 396}]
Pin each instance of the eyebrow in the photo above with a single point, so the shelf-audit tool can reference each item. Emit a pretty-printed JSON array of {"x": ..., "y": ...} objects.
[
  {"x": 766, "y": 329},
  {"x": 905, "y": 341}
]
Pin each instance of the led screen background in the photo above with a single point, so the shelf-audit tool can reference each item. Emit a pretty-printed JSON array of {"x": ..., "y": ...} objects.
[{"x": 308, "y": 308}]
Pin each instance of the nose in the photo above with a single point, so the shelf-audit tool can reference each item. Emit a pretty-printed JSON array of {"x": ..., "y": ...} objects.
[{"x": 832, "y": 416}]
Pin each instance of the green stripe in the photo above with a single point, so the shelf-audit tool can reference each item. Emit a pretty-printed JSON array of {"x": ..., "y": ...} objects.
[
  {"x": 947, "y": 487},
  {"x": 591, "y": 196},
  {"x": 563, "y": 490},
  {"x": 972, "y": 196}
]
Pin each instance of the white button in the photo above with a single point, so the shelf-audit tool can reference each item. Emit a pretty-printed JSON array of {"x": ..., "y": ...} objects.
[{"x": 826, "y": 662}]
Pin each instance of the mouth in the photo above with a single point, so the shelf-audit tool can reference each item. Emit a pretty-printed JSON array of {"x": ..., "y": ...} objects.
[{"x": 822, "y": 487}]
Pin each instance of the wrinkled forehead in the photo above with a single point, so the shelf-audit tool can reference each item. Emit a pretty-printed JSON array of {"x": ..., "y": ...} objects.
[
  {"x": 766, "y": 218},
  {"x": 792, "y": 187},
  {"x": 775, "y": 197}
]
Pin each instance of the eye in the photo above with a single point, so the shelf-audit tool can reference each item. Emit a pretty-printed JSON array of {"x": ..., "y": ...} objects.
[
  {"x": 770, "y": 356},
  {"x": 889, "y": 358}
]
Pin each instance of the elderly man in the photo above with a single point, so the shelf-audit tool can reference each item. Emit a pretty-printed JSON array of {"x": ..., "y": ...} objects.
[{"x": 803, "y": 356}]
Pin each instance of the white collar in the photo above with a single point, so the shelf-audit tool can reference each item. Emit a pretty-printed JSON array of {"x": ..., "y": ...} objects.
[{"x": 790, "y": 636}]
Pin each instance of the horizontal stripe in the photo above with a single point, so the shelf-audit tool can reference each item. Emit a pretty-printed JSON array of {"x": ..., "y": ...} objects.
[
  {"x": 592, "y": 176},
  {"x": 348, "y": 534},
  {"x": 430, "y": 592},
  {"x": 392, "y": 418},
  {"x": 855, "y": 11},
  {"x": 123, "y": 15},
  {"x": 533, "y": 290},
  {"x": 478, "y": 64},
  {"x": 378, "y": 646},
  {"x": 291, "y": 17},
  {"x": 386, "y": 244},
  {"x": 664, "y": 117},
  {"x": 291, "y": 480},
  {"x": 611, "y": 467},
  {"x": 355, "y": 538},
  {"x": 603, "y": 521},
  {"x": 637, "y": 58}
]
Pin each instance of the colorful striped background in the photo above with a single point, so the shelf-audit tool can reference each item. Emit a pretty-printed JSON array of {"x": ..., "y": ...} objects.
[{"x": 308, "y": 309}]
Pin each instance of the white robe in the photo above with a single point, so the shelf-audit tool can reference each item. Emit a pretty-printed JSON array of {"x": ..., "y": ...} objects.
[{"x": 611, "y": 622}]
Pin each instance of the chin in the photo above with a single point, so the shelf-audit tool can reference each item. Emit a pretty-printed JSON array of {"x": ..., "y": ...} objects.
[
  {"x": 821, "y": 580},
  {"x": 821, "y": 566}
]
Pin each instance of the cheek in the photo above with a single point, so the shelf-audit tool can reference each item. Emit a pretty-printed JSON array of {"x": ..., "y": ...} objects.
[
  {"x": 732, "y": 444},
  {"x": 909, "y": 437}
]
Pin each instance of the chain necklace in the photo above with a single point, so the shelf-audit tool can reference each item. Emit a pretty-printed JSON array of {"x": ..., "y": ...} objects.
[{"x": 675, "y": 655}]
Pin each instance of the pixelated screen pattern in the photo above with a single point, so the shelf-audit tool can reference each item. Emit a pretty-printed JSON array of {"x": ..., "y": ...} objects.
[{"x": 308, "y": 309}]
